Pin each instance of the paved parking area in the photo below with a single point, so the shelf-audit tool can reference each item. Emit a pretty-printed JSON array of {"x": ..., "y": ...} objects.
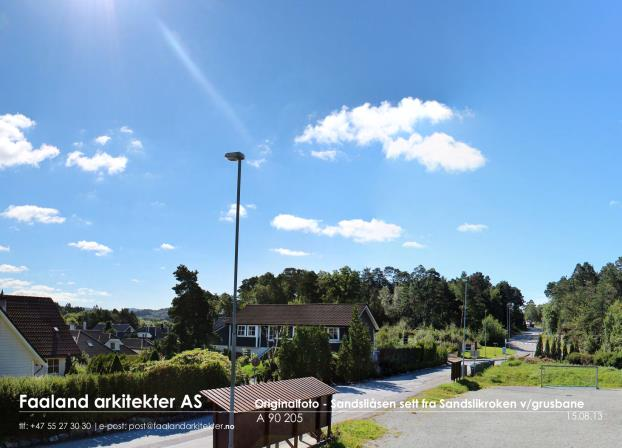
[{"x": 599, "y": 427}]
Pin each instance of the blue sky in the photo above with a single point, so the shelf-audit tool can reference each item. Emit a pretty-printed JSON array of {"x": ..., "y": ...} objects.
[{"x": 367, "y": 128}]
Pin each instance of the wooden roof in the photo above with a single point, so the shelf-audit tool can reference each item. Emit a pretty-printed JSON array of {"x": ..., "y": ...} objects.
[
  {"x": 325, "y": 314},
  {"x": 286, "y": 390}
]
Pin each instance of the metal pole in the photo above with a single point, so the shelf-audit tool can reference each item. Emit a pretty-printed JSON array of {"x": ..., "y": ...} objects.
[
  {"x": 464, "y": 328},
  {"x": 234, "y": 328}
]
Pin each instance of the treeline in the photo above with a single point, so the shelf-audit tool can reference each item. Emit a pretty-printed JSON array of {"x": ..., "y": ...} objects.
[
  {"x": 586, "y": 308},
  {"x": 422, "y": 297},
  {"x": 93, "y": 316}
]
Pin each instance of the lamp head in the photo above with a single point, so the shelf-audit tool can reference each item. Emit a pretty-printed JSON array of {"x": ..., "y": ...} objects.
[{"x": 234, "y": 156}]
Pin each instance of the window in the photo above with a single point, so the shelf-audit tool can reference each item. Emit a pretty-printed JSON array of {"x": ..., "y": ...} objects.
[
  {"x": 251, "y": 330},
  {"x": 333, "y": 333},
  {"x": 242, "y": 329},
  {"x": 113, "y": 346},
  {"x": 53, "y": 366}
]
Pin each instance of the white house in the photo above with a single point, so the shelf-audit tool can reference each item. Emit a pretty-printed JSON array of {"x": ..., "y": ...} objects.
[{"x": 34, "y": 339}]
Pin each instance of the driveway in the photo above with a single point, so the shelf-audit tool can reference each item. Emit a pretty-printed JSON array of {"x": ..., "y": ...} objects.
[
  {"x": 394, "y": 388},
  {"x": 525, "y": 343}
]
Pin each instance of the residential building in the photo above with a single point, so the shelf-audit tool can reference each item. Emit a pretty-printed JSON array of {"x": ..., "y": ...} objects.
[
  {"x": 34, "y": 339},
  {"x": 260, "y": 327}
]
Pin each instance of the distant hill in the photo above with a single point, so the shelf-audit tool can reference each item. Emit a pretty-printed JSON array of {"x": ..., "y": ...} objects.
[{"x": 147, "y": 314}]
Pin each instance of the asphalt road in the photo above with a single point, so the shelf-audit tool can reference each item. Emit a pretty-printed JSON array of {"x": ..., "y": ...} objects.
[
  {"x": 394, "y": 388},
  {"x": 598, "y": 425}
]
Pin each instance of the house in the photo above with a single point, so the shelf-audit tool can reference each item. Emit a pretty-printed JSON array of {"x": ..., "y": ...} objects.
[
  {"x": 120, "y": 330},
  {"x": 137, "y": 345},
  {"x": 152, "y": 332},
  {"x": 111, "y": 341},
  {"x": 34, "y": 339},
  {"x": 260, "y": 327},
  {"x": 88, "y": 344}
]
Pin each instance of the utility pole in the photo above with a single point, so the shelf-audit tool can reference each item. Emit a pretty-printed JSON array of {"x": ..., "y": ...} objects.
[{"x": 464, "y": 315}]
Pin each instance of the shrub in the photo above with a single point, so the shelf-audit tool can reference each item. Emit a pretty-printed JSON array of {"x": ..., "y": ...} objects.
[
  {"x": 306, "y": 354},
  {"x": 354, "y": 357},
  {"x": 574, "y": 358},
  {"x": 494, "y": 331},
  {"x": 406, "y": 359},
  {"x": 165, "y": 378},
  {"x": 539, "y": 348},
  {"x": 116, "y": 366},
  {"x": 608, "y": 359}
]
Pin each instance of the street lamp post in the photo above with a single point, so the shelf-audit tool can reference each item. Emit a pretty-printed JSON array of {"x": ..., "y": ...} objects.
[
  {"x": 234, "y": 157},
  {"x": 464, "y": 327}
]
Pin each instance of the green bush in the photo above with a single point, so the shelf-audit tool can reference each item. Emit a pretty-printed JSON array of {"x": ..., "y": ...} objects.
[
  {"x": 608, "y": 359},
  {"x": 494, "y": 331},
  {"x": 574, "y": 358},
  {"x": 165, "y": 378},
  {"x": 354, "y": 357},
  {"x": 406, "y": 359},
  {"x": 306, "y": 354}
]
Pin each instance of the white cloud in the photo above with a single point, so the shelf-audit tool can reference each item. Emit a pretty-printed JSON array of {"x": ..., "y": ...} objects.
[
  {"x": 295, "y": 223},
  {"x": 92, "y": 246},
  {"x": 135, "y": 280},
  {"x": 290, "y": 253},
  {"x": 257, "y": 162},
  {"x": 100, "y": 161},
  {"x": 33, "y": 213},
  {"x": 102, "y": 139},
  {"x": 394, "y": 128},
  {"x": 229, "y": 215},
  {"x": 126, "y": 130},
  {"x": 136, "y": 144},
  {"x": 26, "y": 288},
  {"x": 15, "y": 149},
  {"x": 4, "y": 248},
  {"x": 473, "y": 228},
  {"x": 364, "y": 231},
  {"x": 614, "y": 203},
  {"x": 435, "y": 151},
  {"x": 329, "y": 154},
  {"x": 9, "y": 268},
  {"x": 359, "y": 230},
  {"x": 413, "y": 245},
  {"x": 167, "y": 246},
  {"x": 365, "y": 124}
]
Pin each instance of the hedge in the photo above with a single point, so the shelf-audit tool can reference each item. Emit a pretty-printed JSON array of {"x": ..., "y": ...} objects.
[
  {"x": 165, "y": 378},
  {"x": 393, "y": 360}
]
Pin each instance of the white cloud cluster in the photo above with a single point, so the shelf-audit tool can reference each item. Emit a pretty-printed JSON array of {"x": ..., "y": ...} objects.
[
  {"x": 4, "y": 248},
  {"x": 167, "y": 246},
  {"x": 472, "y": 228},
  {"x": 126, "y": 130},
  {"x": 329, "y": 154},
  {"x": 413, "y": 245},
  {"x": 101, "y": 161},
  {"x": 15, "y": 149},
  {"x": 358, "y": 230},
  {"x": 229, "y": 215},
  {"x": 9, "y": 268},
  {"x": 102, "y": 139},
  {"x": 290, "y": 253},
  {"x": 32, "y": 213},
  {"x": 26, "y": 288},
  {"x": 92, "y": 246},
  {"x": 389, "y": 125}
]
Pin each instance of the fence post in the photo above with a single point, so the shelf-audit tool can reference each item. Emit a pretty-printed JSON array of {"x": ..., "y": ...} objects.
[
  {"x": 541, "y": 374},
  {"x": 596, "y": 377}
]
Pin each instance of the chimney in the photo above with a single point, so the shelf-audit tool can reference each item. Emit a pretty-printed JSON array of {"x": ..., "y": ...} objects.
[{"x": 84, "y": 325}]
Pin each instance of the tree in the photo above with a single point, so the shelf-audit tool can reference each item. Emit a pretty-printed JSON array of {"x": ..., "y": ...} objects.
[
  {"x": 612, "y": 340},
  {"x": 493, "y": 330},
  {"x": 354, "y": 357},
  {"x": 539, "y": 348},
  {"x": 115, "y": 366},
  {"x": 191, "y": 311},
  {"x": 532, "y": 312},
  {"x": 306, "y": 354}
]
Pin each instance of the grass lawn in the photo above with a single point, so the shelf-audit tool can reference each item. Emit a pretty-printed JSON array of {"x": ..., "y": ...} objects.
[
  {"x": 519, "y": 373},
  {"x": 355, "y": 433},
  {"x": 490, "y": 352}
]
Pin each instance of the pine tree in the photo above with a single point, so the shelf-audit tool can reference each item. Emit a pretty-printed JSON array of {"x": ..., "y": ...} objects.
[
  {"x": 538, "y": 353},
  {"x": 115, "y": 365}
]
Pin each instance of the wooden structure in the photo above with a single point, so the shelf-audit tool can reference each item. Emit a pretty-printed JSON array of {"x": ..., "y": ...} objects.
[
  {"x": 304, "y": 407},
  {"x": 456, "y": 364}
]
